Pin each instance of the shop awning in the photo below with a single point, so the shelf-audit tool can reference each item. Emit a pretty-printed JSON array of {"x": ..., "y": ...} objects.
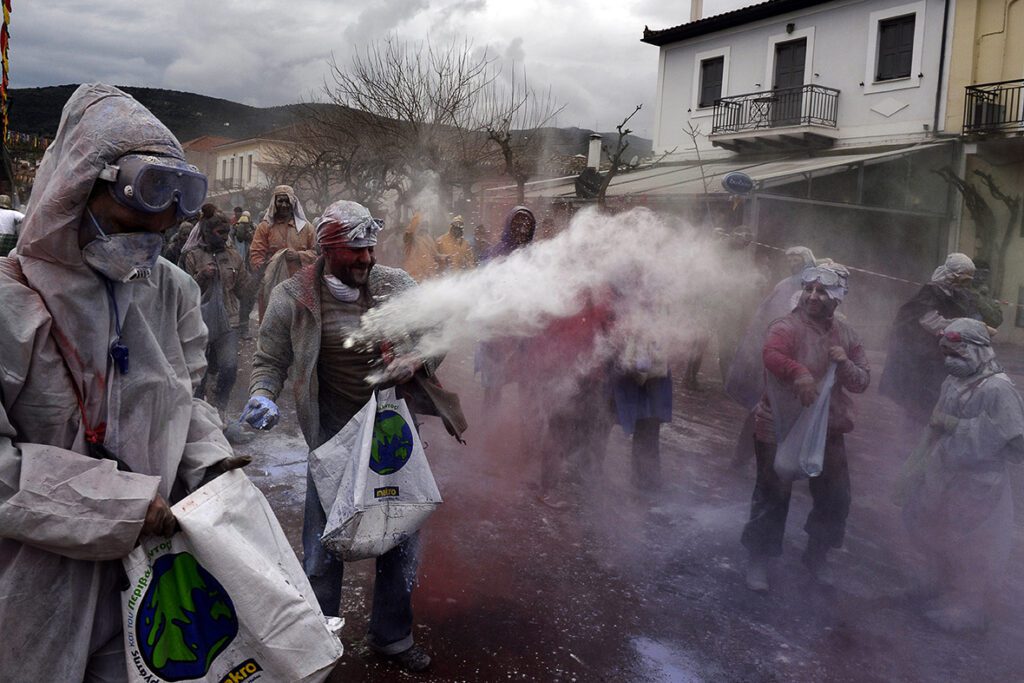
[{"x": 692, "y": 178}]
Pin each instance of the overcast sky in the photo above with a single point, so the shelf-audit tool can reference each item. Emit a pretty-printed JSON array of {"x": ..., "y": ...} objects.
[{"x": 263, "y": 53}]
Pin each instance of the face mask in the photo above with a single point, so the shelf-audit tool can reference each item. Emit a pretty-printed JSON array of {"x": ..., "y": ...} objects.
[
  {"x": 960, "y": 367},
  {"x": 122, "y": 257}
]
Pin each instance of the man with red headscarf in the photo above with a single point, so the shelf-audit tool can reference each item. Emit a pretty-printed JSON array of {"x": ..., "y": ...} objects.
[{"x": 307, "y": 322}]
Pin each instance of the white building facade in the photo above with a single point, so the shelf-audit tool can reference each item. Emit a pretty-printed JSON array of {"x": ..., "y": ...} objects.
[
  {"x": 239, "y": 166},
  {"x": 812, "y": 73}
]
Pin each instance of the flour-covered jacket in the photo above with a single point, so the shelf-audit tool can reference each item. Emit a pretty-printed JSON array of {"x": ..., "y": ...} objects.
[
  {"x": 290, "y": 338},
  {"x": 963, "y": 504}
]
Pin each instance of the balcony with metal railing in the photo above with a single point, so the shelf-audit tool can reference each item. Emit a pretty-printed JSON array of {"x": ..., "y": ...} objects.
[
  {"x": 804, "y": 116},
  {"x": 994, "y": 107}
]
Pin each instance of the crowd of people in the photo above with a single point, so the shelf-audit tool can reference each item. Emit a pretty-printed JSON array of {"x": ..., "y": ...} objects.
[{"x": 118, "y": 366}]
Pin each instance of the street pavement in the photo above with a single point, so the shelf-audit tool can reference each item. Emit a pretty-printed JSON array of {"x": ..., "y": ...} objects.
[{"x": 631, "y": 585}]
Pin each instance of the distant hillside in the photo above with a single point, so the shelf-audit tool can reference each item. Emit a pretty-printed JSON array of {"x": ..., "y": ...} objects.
[
  {"x": 188, "y": 115},
  {"x": 37, "y": 110}
]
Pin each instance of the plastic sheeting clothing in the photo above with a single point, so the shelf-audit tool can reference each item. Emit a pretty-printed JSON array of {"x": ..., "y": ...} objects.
[
  {"x": 507, "y": 243},
  {"x": 796, "y": 347},
  {"x": 419, "y": 255},
  {"x": 456, "y": 252},
  {"x": 961, "y": 508},
  {"x": 66, "y": 518},
  {"x": 914, "y": 366},
  {"x": 745, "y": 382},
  {"x": 496, "y": 360}
]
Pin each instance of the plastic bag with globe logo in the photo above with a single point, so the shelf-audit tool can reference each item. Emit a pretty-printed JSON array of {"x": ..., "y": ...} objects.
[
  {"x": 225, "y": 598},
  {"x": 374, "y": 480}
]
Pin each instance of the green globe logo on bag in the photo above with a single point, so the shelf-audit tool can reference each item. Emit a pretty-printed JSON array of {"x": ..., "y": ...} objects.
[
  {"x": 185, "y": 620},
  {"x": 392, "y": 443}
]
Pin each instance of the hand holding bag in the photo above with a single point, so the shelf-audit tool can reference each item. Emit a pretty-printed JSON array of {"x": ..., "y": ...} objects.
[
  {"x": 225, "y": 598},
  {"x": 374, "y": 480}
]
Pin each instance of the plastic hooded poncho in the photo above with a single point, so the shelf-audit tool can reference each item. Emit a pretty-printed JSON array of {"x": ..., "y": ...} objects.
[
  {"x": 421, "y": 256},
  {"x": 745, "y": 382},
  {"x": 956, "y": 489},
  {"x": 956, "y": 264},
  {"x": 914, "y": 370},
  {"x": 66, "y": 518},
  {"x": 507, "y": 244}
]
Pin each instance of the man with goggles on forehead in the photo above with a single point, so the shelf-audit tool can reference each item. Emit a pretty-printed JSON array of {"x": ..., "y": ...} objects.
[
  {"x": 101, "y": 346},
  {"x": 308, "y": 320},
  {"x": 798, "y": 350},
  {"x": 956, "y": 490}
]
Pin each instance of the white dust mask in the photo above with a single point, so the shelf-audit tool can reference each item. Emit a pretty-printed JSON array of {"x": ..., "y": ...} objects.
[{"x": 122, "y": 257}]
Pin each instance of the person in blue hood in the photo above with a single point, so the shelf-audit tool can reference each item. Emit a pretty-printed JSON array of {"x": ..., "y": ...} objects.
[
  {"x": 520, "y": 226},
  {"x": 494, "y": 358}
]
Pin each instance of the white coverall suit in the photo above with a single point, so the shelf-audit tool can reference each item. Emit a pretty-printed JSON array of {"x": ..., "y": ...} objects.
[{"x": 66, "y": 518}]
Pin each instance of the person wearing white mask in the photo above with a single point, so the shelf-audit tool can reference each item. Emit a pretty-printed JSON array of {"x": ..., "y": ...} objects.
[
  {"x": 101, "y": 346},
  {"x": 956, "y": 491}
]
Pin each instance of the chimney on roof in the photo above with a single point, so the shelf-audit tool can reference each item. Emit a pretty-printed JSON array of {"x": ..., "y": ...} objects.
[
  {"x": 696, "y": 9},
  {"x": 594, "y": 152}
]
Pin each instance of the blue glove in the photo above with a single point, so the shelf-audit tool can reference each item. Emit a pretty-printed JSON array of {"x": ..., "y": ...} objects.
[{"x": 260, "y": 412}]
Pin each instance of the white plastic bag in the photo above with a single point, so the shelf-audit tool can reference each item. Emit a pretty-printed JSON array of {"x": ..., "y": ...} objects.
[
  {"x": 224, "y": 599},
  {"x": 801, "y": 442},
  {"x": 374, "y": 480}
]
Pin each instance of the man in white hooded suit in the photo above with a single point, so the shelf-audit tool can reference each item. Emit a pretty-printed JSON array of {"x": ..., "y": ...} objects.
[
  {"x": 101, "y": 345},
  {"x": 956, "y": 490}
]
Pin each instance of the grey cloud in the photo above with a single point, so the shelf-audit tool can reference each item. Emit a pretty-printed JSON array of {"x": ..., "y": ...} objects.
[
  {"x": 461, "y": 8},
  {"x": 382, "y": 17},
  {"x": 515, "y": 52},
  {"x": 262, "y": 53}
]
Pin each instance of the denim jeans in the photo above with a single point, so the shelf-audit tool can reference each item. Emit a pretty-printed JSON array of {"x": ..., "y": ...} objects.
[
  {"x": 222, "y": 361},
  {"x": 390, "y": 629},
  {"x": 769, "y": 506},
  {"x": 647, "y": 455}
]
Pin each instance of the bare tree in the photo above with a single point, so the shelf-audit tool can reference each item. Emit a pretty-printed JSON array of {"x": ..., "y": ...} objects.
[
  {"x": 513, "y": 115},
  {"x": 995, "y": 240},
  {"x": 615, "y": 156},
  {"x": 997, "y": 259},
  {"x": 310, "y": 168},
  {"x": 413, "y": 104},
  {"x": 693, "y": 132},
  {"x": 326, "y": 157}
]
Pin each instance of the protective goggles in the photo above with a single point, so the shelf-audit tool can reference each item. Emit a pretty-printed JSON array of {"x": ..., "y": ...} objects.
[
  {"x": 150, "y": 184},
  {"x": 825, "y": 276}
]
